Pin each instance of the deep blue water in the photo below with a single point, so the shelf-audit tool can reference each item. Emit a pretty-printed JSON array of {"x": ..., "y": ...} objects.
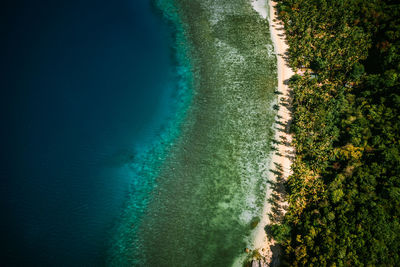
[{"x": 83, "y": 84}]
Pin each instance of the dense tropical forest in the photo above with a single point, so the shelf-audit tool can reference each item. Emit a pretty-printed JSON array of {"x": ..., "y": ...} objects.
[{"x": 344, "y": 193}]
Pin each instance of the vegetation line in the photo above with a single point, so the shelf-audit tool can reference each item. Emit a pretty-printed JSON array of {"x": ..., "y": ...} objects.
[{"x": 344, "y": 192}]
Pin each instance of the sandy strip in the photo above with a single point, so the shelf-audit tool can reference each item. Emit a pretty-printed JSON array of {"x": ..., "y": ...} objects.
[{"x": 261, "y": 242}]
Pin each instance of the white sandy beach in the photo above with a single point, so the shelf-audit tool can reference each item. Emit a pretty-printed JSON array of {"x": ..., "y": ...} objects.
[{"x": 261, "y": 242}]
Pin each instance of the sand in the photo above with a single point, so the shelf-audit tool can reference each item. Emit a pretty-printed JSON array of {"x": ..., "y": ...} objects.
[{"x": 261, "y": 242}]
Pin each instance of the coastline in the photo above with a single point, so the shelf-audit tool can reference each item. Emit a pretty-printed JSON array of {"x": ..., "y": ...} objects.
[{"x": 281, "y": 158}]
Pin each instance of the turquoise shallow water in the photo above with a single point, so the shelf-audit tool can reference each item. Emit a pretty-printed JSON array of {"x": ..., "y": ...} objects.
[
  {"x": 208, "y": 184},
  {"x": 145, "y": 167}
]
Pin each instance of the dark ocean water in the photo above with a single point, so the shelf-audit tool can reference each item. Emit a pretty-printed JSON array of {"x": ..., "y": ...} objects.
[{"x": 84, "y": 84}]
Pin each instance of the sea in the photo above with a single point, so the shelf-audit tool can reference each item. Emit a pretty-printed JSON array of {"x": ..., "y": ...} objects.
[
  {"x": 86, "y": 87},
  {"x": 134, "y": 132}
]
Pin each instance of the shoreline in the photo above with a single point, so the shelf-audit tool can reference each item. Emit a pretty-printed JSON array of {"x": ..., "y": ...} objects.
[{"x": 281, "y": 157}]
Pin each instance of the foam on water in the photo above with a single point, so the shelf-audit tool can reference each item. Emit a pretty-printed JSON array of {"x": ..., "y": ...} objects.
[{"x": 261, "y": 7}]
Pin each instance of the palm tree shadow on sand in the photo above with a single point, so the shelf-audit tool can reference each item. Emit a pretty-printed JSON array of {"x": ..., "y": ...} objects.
[{"x": 279, "y": 196}]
